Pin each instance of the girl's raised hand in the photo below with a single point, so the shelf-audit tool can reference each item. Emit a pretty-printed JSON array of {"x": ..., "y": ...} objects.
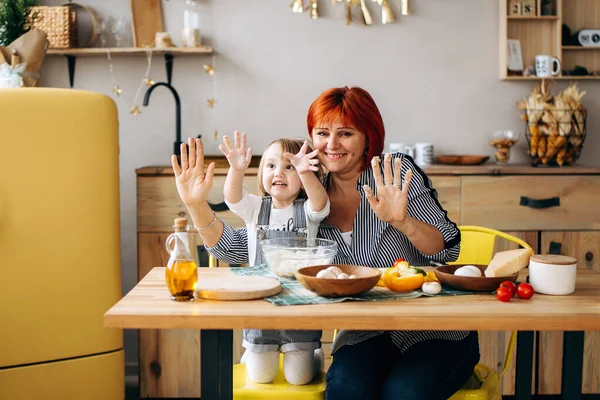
[
  {"x": 391, "y": 203},
  {"x": 239, "y": 158},
  {"x": 302, "y": 161},
  {"x": 193, "y": 184}
]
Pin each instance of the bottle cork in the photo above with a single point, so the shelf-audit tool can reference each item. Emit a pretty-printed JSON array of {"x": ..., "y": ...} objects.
[{"x": 180, "y": 224}]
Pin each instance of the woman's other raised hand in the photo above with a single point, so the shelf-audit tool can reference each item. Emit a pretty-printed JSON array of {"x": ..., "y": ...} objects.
[
  {"x": 238, "y": 156},
  {"x": 391, "y": 203},
  {"x": 193, "y": 183}
]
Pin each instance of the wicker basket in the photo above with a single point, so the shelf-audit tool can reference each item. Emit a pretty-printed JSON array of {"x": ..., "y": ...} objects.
[{"x": 59, "y": 23}]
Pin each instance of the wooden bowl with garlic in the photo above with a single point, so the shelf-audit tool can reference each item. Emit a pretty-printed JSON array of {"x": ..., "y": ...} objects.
[{"x": 338, "y": 280}]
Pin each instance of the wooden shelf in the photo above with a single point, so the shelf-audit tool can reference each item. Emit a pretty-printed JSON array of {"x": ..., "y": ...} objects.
[
  {"x": 130, "y": 51},
  {"x": 534, "y": 18},
  {"x": 579, "y": 48},
  {"x": 169, "y": 54},
  {"x": 559, "y": 78}
]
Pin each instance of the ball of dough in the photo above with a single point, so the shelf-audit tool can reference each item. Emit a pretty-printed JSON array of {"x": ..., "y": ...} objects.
[
  {"x": 326, "y": 274},
  {"x": 468, "y": 270}
]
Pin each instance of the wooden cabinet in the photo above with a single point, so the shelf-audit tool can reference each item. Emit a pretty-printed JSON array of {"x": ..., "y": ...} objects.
[{"x": 489, "y": 196}]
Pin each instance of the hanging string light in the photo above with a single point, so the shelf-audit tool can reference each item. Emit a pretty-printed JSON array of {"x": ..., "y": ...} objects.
[
  {"x": 146, "y": 81},
  {"x": 211, "y": 70}
]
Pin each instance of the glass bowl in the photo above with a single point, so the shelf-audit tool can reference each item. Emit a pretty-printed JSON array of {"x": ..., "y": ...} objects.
[
  {"x": 286, "y": 255},
  {"x": 502, "y": 141}
]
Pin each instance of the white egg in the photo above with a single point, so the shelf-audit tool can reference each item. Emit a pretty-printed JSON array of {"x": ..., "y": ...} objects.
[
  {"x": 353, "y": 277},
  {"x": 431, "y": 287},
  {"x": 326, "y": 274},
  {"x": 335, "y": 270},
  {"x": 468, "y": 270},
  {"x": 343, "y": 275}
]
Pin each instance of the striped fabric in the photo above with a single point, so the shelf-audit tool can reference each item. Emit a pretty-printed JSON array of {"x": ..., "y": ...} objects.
[{"x": 375, "y": 244}]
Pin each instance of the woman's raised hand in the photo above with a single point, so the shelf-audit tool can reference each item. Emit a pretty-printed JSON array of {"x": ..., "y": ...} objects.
[
  {"x": 302, "y": 161},
  {"x": 239, "y": 158},
  {"x": 391, "y": 203},
  {"x": 193, "y": 184}
]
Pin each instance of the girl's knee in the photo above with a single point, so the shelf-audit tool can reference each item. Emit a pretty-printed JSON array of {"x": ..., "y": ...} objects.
[{"x": 340, "y": 387}]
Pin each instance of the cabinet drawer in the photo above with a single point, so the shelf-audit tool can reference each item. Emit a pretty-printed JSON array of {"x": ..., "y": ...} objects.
[
  {"x": 496, "y": 202},
  {"x": 158, "y": 203}
]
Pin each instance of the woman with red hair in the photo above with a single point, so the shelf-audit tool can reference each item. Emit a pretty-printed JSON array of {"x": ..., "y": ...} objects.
[{"x": 379, "y": 211}]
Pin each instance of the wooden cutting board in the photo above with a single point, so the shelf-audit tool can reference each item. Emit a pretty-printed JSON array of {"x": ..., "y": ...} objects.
[
  {"x": 237, "y": 288},
  {"x": 146, "y": 20}
]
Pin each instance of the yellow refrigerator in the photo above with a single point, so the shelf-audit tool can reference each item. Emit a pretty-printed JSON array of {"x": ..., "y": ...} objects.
[{"x": 59, "y": 245}]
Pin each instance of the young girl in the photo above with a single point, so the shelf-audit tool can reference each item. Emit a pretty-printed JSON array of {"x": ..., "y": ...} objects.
[{"x": 292, "y": 203}]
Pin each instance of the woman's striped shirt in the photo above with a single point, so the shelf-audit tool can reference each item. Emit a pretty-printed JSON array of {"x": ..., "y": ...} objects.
[{"x": 376, "y": 244}]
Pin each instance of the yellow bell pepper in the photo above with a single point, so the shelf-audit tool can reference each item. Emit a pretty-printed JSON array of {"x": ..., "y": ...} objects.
[{"x": 402, "y": 277}]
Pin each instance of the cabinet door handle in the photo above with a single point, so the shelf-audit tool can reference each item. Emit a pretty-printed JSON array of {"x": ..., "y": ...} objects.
[
  {"x": 540, "y": 203},
  {"x": 218, "y": 207}
]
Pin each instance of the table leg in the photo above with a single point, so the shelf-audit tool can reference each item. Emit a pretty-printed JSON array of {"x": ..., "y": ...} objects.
[
  {"x": 216, "y": 364},
  {"x": 524, "y": 365},
  {"x": 572, "y": 367}
]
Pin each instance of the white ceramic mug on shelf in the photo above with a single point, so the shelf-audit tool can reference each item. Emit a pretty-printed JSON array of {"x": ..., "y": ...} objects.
[
  {"x": 544, "y": 66},
  {"x": 402, "y": 148},
  {"x": 424, "y": 153},
  {"x": 552, "y": 274}
]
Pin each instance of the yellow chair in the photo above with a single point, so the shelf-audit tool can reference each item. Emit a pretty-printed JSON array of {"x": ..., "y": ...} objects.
[
  {"x": 245, "y": 389},
  {"x": 477, "y": 247}
]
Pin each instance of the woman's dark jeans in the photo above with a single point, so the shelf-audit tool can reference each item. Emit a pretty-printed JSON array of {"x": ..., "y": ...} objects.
[{"x": 376, "y": 369}]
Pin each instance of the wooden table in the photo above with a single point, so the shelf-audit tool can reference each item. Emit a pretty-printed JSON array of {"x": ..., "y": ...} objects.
[{"x": 147, "y": 306}]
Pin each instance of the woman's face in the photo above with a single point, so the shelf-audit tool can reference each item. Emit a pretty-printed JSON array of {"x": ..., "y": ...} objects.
[{"x": 341, "y": 148}]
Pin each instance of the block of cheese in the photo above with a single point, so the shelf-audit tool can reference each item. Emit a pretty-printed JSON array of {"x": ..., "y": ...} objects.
[{"x": 506, "y": 263}]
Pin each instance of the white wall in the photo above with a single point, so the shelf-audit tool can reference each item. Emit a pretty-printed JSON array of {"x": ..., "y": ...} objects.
[{"x": 433, "y": 74}]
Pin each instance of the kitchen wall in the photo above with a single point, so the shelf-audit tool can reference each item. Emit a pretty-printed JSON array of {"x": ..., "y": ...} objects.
[{"x": 434, "y": 76}]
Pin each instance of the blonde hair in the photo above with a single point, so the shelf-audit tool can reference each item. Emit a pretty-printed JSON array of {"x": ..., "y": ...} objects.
[{"x": 287, "y": 146}]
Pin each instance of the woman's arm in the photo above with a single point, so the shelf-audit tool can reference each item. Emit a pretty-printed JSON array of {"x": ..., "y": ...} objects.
[
  {"x": 412, "y": 208},
  {"x": 193, "y": 186}
]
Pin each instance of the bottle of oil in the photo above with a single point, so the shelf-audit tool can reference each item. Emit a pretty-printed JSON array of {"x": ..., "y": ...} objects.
[{"x": 182, "y": 271}]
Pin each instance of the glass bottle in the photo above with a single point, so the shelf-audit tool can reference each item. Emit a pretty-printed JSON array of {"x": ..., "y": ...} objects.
[
  {"x": 182, "y": 271},
  {"x": 191, "y": 25}
]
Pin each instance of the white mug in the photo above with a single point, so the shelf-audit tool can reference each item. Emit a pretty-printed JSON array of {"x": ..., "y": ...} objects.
[
  {"x": 402, "y": 148},
  {"x": 424, "y": 153},
  {"x": 544, "y": 66}
]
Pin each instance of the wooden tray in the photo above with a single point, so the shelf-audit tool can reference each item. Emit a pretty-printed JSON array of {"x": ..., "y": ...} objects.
[
  {"x": 146, "y": 20},
  {"x": 462, "y": 159},
  {"x": 237, "y": 288}
]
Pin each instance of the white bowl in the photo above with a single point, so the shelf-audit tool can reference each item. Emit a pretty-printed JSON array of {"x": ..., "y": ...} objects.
[{"x": 285, "y": 256}]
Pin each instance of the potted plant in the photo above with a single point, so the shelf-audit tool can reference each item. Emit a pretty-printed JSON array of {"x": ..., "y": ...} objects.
[{"x": 16, "y": 19}]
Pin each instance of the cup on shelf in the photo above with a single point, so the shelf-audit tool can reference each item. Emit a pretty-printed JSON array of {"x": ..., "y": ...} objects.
[
  {"x": 546, "y": 66},
  {"x": 424, "y": 153},
  {"x": 402, "y": 148}
]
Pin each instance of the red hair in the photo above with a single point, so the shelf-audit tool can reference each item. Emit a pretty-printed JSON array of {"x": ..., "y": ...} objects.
[{"x": 352, "y": 107}]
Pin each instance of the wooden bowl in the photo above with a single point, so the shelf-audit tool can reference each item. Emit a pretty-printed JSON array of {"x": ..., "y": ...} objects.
[
  {"x": 445, "y": 274},
  {"x": 462, "y": 159},
  {"x": 366, "y": 280}
]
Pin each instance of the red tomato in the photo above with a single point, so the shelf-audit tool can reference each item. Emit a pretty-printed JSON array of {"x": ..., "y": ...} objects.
[
  {"x": 525, "y": 291},
  {"x": 503, "y": 294},
  {"x": 509, "y": 285}
]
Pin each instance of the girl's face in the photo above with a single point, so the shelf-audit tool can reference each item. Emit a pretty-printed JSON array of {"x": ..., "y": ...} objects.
[
  {"x": 342, "y": 148},
  {"x": 279, "y": 178}
]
